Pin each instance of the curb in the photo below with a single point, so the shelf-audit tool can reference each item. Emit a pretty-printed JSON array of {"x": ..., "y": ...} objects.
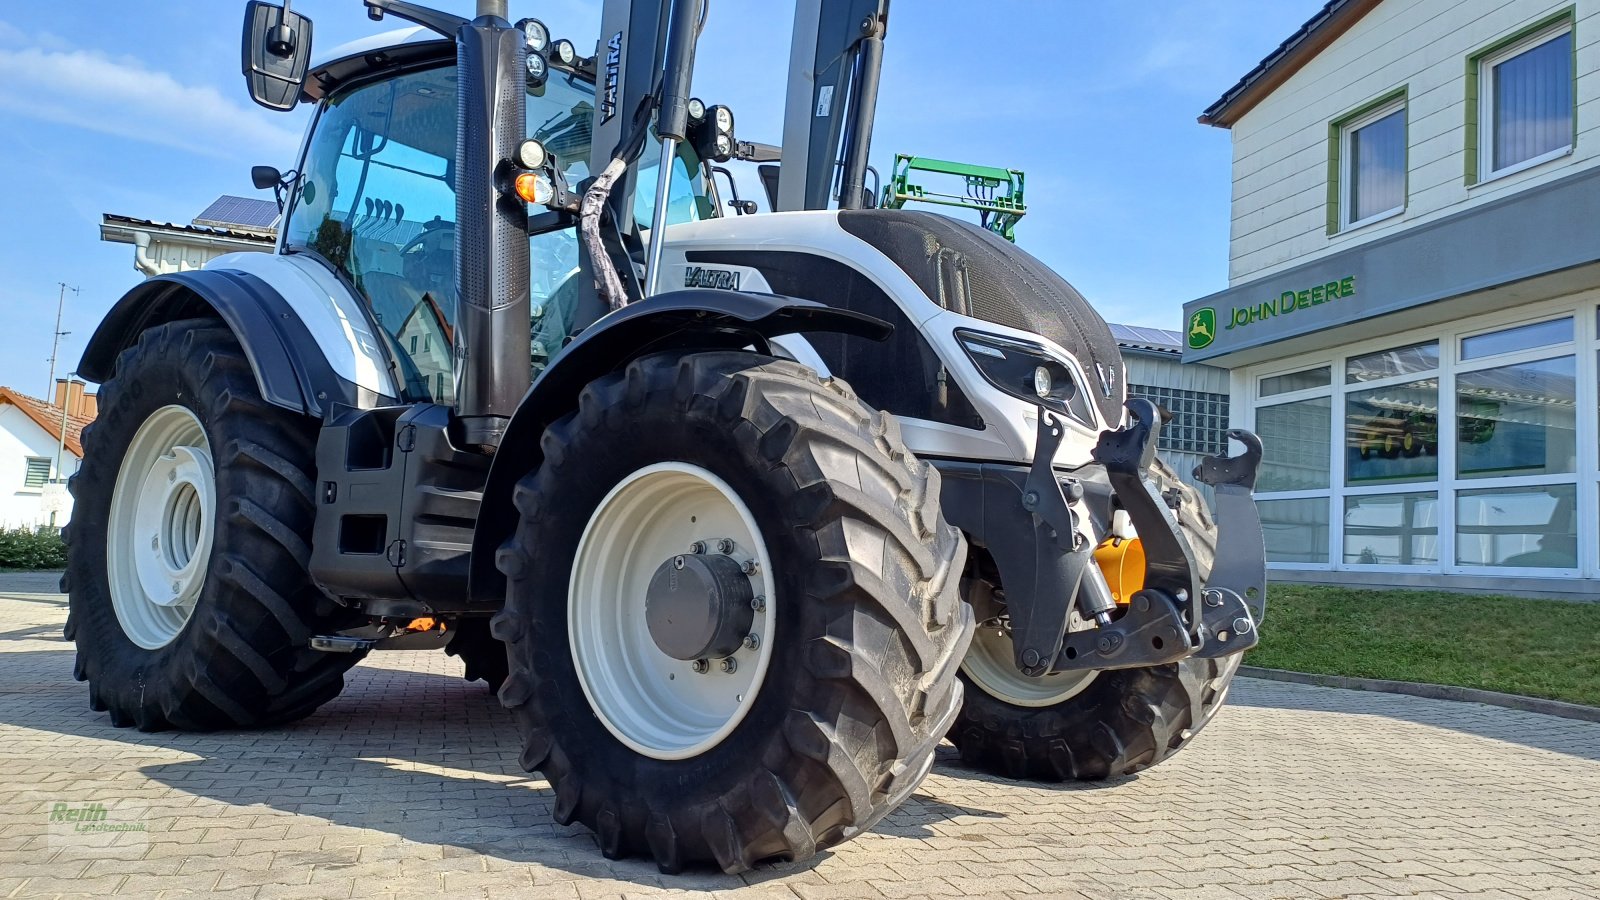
[{"x": 1430, "y": 692}]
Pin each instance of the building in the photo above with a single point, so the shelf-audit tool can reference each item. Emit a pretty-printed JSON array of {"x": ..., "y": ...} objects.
[
  {"x": 37, "y": 455},
  {"x": 1411, "y": 321},
  {"x": 229, "y": 225},
  {"x": 1196, "y": 395}
]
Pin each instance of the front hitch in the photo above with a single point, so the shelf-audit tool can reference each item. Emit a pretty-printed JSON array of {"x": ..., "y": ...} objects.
[
  {"x": 1173, "y": 617},
  {"x": 1061, "y": 555}
]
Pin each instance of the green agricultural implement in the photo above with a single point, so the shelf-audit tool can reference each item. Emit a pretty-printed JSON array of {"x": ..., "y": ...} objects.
[{"x": 996, "y": 194}]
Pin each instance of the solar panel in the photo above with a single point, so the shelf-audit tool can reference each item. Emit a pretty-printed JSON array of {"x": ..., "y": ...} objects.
[
  {"x": 1143, "y": 336},
  {"x": 245, "y": 213}
]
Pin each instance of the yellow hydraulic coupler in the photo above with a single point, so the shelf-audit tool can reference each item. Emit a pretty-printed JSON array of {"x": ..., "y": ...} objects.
[{"x": 1122, "y": 562}]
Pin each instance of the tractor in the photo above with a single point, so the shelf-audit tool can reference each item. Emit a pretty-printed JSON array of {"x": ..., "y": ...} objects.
[{"x": 732, "y": 508}]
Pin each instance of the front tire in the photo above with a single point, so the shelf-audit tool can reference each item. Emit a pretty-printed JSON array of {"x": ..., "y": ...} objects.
[
  {"x": 1086, "y": 725},
  {"x": 189, "y": 597},
  {"x": 831, "y": 718}
]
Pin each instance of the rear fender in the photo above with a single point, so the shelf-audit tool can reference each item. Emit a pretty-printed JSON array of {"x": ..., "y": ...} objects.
[
  {"x": 290, "y": 368},
  {"x": 689, "y": 320}
]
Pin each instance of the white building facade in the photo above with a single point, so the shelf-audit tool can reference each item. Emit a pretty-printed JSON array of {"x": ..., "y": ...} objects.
[
  {"x": 36, "y": 458},
  {"x": 1413, "y": 318}
]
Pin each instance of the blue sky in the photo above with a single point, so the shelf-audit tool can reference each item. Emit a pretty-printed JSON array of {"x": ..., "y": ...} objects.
[{"x": 139, "y": 109}]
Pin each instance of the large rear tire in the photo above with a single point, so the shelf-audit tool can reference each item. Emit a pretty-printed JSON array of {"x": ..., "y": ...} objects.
[
  {"x": 1089, "y": 725},
  {"x": 831, "y": 715},
  {"x": 186, "y": 560}
]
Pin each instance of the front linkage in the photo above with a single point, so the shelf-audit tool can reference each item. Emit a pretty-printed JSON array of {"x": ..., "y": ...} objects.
[{"x": 1173, "y": 616}]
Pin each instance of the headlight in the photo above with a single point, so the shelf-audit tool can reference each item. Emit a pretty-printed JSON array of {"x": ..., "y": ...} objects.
[
  {"x": 565, "y": 51},
  {"x": 537, "y": 70},
  {"x": 1026, "y": 371},
  {"x": 536, "y": 35}
]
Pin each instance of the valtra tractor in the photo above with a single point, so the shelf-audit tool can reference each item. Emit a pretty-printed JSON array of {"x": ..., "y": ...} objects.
[{"x": 742, "y": 513}]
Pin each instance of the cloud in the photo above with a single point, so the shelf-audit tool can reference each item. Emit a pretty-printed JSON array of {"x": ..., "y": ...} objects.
[{"x": 122, "y": 97}]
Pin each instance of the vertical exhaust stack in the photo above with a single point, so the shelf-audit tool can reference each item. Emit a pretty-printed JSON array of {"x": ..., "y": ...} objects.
[{"x": 493, "y": 368}]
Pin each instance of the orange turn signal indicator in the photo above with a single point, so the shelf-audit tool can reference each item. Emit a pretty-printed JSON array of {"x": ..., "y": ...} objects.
[{"x": 534, "y": 187}]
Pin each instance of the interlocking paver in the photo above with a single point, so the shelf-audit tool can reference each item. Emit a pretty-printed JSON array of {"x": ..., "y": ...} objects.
[{"x": 407, "y": 785}]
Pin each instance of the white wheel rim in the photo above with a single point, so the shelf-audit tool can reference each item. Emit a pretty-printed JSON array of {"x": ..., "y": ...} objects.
[
  {"x": 158, "y": 537},
  {"x": 991, "y": 664},
  {"x": 655, "y": 704}
]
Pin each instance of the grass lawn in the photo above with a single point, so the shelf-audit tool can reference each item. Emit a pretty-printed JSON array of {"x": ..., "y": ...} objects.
[{"x": 1537, "y": 648}]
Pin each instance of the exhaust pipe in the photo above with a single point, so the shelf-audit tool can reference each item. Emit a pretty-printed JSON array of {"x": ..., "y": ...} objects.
[{"x": 496, "y": 8}]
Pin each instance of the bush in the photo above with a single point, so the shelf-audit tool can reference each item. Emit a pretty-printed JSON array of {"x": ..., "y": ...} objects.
[{"x": 32, "y": 548}]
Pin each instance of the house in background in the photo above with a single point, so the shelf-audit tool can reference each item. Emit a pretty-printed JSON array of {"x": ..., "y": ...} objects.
[
  {"x": 229, "y": 225},
  {"x": 37, "y": 455}
]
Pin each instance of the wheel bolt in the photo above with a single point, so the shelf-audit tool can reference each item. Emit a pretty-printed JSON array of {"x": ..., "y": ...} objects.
[
  {"x": 750, "y": 567},
  {"x": 729, "y": 666},
  {"x": 725, "y": 546},
  {"x": 677, "y": 562},
  {"x": 172, "y": 477},
  {"x": 176, "y": 587},
  {"x": 697, "y": 547},
  {"x": 758, "y": 603},
  {"x": 752, "y": 641},
  {"x": 700, "y": 666}
]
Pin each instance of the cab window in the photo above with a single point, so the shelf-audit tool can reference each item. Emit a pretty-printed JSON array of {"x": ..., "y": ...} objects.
[{"x": 375, "y": 201}]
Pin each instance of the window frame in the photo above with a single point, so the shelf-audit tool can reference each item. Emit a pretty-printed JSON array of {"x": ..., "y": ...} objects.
[
  {"x": 1347, "y": 129},
  {"x": 1482, "y": 65}
]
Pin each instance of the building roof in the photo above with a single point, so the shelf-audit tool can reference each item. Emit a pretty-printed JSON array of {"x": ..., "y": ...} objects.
[
  {"x": 48, "y": 417},
  {"x": 243, "y": 213},
  {"x": 111, "y": 226},
  {"x": 1334, "y": 19},
  {"x": 1151, "y": 340}
]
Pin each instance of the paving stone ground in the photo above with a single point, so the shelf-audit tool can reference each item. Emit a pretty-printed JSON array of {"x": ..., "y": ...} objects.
[{"x": 407, "y": 786}]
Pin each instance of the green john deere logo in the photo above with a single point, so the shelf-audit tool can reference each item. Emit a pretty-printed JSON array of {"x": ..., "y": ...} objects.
[{"x": 1202, "y": 328}]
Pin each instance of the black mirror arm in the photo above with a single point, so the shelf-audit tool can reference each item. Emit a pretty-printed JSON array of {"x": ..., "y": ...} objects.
[{"x": 444, "y": 23}]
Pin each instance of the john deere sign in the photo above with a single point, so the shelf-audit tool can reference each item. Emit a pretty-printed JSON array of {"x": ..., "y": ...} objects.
[{"x": 1288, "y": 302}]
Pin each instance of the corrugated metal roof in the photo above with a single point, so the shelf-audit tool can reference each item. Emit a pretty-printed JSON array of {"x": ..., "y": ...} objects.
[
  {"x": 112, "y": 221},
  {"x": 246, "y": 213},
  {"x": 1140, "y": 337}
]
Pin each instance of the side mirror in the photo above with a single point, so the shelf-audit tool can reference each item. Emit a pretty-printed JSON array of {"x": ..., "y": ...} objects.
[
  {"x": 264, "y": 177},
  {"x": 277, "y": 51}
]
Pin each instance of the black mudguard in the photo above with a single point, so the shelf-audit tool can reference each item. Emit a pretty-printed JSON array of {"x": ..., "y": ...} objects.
[
  {"x": 700, "y": 319},
  {"x": 289, "y": 367}
]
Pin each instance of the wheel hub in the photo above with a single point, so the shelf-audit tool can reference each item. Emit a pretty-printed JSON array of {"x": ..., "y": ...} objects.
[
  {"x": 699, "y": 606},
  {"x": 161, "y": 521},
  {"x": 173, "y": 518}
]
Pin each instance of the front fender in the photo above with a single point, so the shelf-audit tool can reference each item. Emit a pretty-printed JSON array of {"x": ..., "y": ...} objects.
[
  {"x": 289, "y": 367},
  {"x": 689, "y": 320}
]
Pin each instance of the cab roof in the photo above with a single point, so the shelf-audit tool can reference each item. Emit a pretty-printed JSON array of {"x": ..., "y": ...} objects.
[{"x": 396, "y": 49}]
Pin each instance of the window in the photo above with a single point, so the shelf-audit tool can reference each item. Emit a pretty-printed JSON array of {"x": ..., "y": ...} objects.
[
  {"x": 1373, "y": 161},
  {"x": 1296, "y": 381},
  {"x": 1392, "y": 530},
  {"x": 1296, "y": 531},
  {"x": 1295, "y": 445},
  {"x": 1200, "y": 422},
  {"x": 1525, "y": 527},
  {"x": 1518, "y": 420},
  {"x": 38, "y": 473},
  {"x": 1525, "y": 100},
  {"x": 1389, "y": 363},
  {"x": 1522, "y": 337},
  {"x": 1392, "y": 433},
  {"x": 375, "y": 200}
]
